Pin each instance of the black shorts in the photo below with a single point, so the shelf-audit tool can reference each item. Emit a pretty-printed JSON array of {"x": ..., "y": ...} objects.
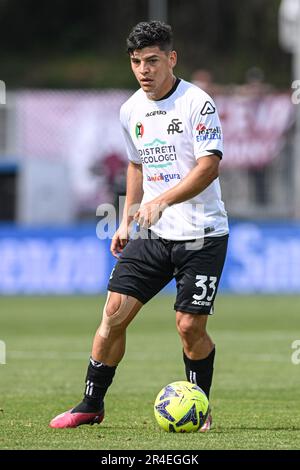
[{"x": 146, "y": 266}]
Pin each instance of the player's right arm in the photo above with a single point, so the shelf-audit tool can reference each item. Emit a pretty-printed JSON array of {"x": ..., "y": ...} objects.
[{"x": 134, "y": 195}]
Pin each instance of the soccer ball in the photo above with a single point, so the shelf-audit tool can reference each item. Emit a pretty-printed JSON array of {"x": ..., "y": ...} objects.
[{"x": 181, "y": 407}]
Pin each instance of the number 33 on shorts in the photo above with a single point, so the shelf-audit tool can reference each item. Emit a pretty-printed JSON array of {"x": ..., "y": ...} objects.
[{"x": 208, "y": 284}]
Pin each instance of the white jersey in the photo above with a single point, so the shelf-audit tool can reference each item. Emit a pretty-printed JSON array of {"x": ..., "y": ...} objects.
[{"x": 167, "y": 136}]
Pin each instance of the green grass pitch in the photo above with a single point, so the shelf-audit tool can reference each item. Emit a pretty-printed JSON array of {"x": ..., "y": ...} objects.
[{"x": 254, "y": 397}]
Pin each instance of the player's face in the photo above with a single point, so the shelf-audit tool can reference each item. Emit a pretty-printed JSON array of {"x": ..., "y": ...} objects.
[{"x": 153, "y": 69}]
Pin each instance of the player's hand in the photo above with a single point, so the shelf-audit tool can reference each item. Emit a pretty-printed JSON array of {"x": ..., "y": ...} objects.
[
  {"x": 149, "y": 213},
  {"x": 119, "y": 240}
]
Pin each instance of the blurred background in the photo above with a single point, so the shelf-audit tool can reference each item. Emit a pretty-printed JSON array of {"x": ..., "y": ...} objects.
[{"x": 64, "y": 74}]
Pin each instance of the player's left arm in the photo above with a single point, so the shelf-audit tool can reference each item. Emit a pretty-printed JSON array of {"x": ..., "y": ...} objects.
[{"x": 198, "y": 179}]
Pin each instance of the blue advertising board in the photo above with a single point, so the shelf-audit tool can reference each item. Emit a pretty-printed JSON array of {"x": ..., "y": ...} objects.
[
  {"x": 262, "y": 258},
  {"x": 53, "y": 261}
]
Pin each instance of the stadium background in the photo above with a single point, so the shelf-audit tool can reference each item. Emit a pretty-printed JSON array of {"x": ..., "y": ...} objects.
[{"x": 64, "y": 75}]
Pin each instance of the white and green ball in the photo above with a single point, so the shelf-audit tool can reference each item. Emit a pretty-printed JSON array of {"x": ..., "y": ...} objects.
[{"x": 181, "y": 407}]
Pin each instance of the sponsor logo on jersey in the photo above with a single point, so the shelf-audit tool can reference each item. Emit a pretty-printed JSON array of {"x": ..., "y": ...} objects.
[
  {"x": 139, "y": 130},
  {"x": 159, "y": 155},
  {"x": 155, "y": 141},
  {"x": 208, "y": 108},
  {"x": 174, "y": 126},
  {"x": 156, "y": 113},
  {"x": 208, "y": 133},
  {"x": 163, "y": 177},
  {"x": 200, "y": 127}
]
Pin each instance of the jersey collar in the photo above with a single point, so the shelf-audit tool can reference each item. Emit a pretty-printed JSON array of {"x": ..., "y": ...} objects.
[{"x": 173, "y": 89}]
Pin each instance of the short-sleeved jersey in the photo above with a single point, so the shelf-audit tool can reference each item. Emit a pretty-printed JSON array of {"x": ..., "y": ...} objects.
[{"x": 167, "y": 137}]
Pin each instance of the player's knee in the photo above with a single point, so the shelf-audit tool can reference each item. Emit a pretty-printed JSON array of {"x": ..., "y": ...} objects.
[
  {"x": 188, "y": 327},
  {"x": 116, "y": 313},
  {"x": 185, "y": 325},
  {"x": 113, "y": 305}
]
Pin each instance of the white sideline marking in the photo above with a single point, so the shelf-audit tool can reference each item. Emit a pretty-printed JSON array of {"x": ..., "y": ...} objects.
[{"x": 2, "y": 352}]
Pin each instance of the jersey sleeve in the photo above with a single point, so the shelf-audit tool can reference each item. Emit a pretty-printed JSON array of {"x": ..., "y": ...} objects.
[
  {"x": 131, "y": 150},
  {"x": 206, "y": 129}
]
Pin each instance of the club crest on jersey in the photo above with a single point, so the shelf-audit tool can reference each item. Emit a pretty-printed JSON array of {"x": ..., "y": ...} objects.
[
  {"x": 139, "y": 130},
  {"x": 208, "y": 108},
  {"x": 174, "y": 126}
]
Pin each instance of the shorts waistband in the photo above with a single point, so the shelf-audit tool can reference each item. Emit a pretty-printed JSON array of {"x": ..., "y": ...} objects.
[{"x": 167, "y": 240}]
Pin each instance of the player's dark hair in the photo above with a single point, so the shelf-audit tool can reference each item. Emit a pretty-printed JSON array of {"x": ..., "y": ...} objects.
[{"x": 148, "y": 34}]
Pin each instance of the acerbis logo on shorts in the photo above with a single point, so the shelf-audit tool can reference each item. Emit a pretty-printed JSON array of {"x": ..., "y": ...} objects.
[
  {"x": 203, "y": 303},
  {"x": 161, "y": 177}
]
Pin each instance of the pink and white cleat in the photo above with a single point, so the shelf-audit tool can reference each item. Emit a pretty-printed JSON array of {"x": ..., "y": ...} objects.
[
  {"x": 72, "y": 420},
  {"x": 207, "y": 425}
]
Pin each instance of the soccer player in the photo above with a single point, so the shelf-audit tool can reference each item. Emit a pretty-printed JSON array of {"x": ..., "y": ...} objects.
[{"x": 173, "y": 139}]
